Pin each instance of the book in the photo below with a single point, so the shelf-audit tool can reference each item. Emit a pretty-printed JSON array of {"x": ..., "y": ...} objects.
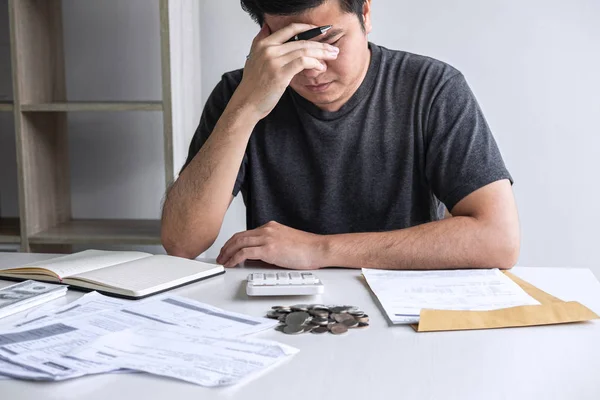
[
  {"x": 127, "y": 274},
  {"x": 24, "y": 295}
]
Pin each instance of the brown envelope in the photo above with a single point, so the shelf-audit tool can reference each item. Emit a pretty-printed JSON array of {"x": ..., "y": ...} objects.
[{"x": 551, "y": 311}]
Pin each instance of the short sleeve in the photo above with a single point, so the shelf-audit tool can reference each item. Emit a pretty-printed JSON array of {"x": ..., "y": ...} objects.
[
  {"x": 213, "y": 109},
  {"x": 462, "y": 155}
]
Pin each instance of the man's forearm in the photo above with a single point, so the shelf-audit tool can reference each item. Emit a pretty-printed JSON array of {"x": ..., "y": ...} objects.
[
  {"x": 457, "y": 242},
  {"x": 196, "y": 203}
]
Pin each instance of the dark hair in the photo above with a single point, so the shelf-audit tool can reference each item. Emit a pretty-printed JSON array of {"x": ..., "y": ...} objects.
[{"x": 258, "y": 8}]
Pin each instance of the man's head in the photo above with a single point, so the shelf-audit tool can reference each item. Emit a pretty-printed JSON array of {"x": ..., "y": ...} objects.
[{"x": 351, "y": 20}]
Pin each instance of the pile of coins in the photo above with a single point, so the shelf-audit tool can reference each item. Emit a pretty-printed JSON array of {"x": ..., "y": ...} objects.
[{"x": 317, "y": 318}]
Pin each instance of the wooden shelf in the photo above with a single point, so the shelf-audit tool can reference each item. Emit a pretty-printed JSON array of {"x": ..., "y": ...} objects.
[
  {"x": 74, "y": 106},
  {"x": 6, "y": 106},
  {"x": 101, "y": 231},
  {"x": 9, "y": 231}
]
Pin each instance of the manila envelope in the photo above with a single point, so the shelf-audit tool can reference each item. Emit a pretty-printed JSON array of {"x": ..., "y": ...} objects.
[{"x": 550, "y": 311}]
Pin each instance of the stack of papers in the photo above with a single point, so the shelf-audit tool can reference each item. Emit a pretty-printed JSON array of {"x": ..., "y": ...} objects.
[
  {"x": 24, "y": 295},
  {"x": 403, "y": 294},
  {"x": 168, "y": 335}
]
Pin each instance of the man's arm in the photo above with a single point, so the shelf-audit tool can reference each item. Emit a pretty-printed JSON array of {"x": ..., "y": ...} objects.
[
  {"x": 483, "y": 233},
  {"x": 196, "y": 204}
]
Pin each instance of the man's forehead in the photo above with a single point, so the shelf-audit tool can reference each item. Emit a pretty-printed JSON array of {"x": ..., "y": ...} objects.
[{"x": 328, "y": 13}]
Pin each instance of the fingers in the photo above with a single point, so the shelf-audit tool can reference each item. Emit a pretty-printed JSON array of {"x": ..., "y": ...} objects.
[
  {"x": 286, "y": 33},
  {"x": 311, "y": 52},
  {"x": 264, "y": 33},
  {"x": 300, "y": 64},
  {"x": 247, "y": 253},
  {"x": 238, "y": 242}
]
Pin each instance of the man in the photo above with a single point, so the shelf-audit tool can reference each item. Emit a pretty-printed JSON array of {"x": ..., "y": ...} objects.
[{"x": 345, "y": 153}]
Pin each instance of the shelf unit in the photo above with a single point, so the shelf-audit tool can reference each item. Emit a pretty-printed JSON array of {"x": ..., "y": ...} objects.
[
  {"x": 6, "y": 106},
  {"x": 40, "y": 108}
]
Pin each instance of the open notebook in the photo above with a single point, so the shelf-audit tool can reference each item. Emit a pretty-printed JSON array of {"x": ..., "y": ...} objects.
[{"x": 128, "y": 274}]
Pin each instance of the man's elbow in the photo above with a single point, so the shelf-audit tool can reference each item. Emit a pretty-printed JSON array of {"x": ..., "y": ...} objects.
[
  {"x": 506, "y": 248},
  {"x": 185, "y": 248}
]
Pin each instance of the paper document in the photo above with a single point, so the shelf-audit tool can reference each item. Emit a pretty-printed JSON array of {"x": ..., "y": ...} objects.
[
  {"x": 89, "y": 303},
  {"x": 209, "y": 320},
  {"x": 24, "y": 295},
  {"x": 403, "y": 294},
  {"x": 41, "y": 346},
  {"x": 184, "y": 353},
  {"x": 9, "y": 370}
]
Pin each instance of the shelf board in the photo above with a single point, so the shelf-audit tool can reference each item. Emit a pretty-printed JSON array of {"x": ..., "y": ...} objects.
[
  {"x": 6, "y": 106},
  {"x": 74, "y": 106},
  {"x": 101, "y": 231},
  {"x": 9, "y": 231}
]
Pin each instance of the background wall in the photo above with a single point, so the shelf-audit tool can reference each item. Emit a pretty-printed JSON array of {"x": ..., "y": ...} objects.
[{"x": 534, "y": 68}]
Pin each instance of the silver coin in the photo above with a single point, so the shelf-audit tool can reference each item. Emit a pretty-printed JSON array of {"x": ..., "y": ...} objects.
[
  {"x": 337, "y": 310},
  {"x": 356, "y": 313},
  {"x": 293, "y": 329},
  {"x": 343, "y": 317},
  {"x": 362, "y": 325},
  {"x": 320, "y": 321},
  {"x": 273, "y": 315},
  {"x": 297, "y": 318},
  {"x": 279, "y": 327},
  {"x": 282, "y": 317},
  {"x": 319, "y": 313},
  {"x": 350, "y": 323},
  {"x": 320, "y": 329},
  {"x": 309, "y": 328},
  {"x": 363, "y": 318},
  {"x": 338, "y": 329},
  {"x": 330, "y": 324},
  {"x": 299, "y": 309}
]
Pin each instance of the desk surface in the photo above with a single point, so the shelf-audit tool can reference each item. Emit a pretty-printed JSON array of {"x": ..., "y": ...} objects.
[{"x": 553, "y": 362}]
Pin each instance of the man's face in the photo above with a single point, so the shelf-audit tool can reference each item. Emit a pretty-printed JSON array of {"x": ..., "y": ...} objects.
[{"x": 332, "y": 88}]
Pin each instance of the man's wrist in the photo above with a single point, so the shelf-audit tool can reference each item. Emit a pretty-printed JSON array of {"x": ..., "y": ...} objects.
[
  {"x": 326, "y": 249},
  {"x": 243, "y": 109}
]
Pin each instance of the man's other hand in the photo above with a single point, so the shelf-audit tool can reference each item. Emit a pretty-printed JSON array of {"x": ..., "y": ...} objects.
[{"x": 275, "y": 244}]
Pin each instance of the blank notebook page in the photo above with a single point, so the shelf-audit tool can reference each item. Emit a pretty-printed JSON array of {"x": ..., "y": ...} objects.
[{"x": 149, "y": 272}]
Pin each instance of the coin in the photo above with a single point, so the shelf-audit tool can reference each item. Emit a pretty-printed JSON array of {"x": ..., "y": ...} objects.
[
  {"x": 350, "y": 323},
  {"x": 343, "y": 317},
  {"x": 320, "y": 321},
  {"x": 319, "y": 313},
  {"x": 273, "y": 315},
  {"x": 297, "y": 318},
  {"x": 318, "y": 318},
  {"x": 300, "y": 307},
  {"x": 338, "y": 329},
  {"x": 293, "y": 329}
]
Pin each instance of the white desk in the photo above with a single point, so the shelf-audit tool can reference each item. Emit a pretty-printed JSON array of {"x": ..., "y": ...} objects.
[{"x": 381, "y": 362}]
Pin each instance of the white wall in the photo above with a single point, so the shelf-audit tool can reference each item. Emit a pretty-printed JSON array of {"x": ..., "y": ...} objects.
[
  {"x": 112, "y": 52},
  {"x": 534, "y": 68}
]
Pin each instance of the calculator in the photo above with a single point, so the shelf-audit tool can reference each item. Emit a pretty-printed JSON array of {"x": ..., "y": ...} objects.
[{"x": 284, "y": 284}]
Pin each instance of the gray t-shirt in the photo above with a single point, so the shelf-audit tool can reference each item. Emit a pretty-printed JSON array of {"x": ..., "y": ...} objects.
[{"x": 411, "y": 136}]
